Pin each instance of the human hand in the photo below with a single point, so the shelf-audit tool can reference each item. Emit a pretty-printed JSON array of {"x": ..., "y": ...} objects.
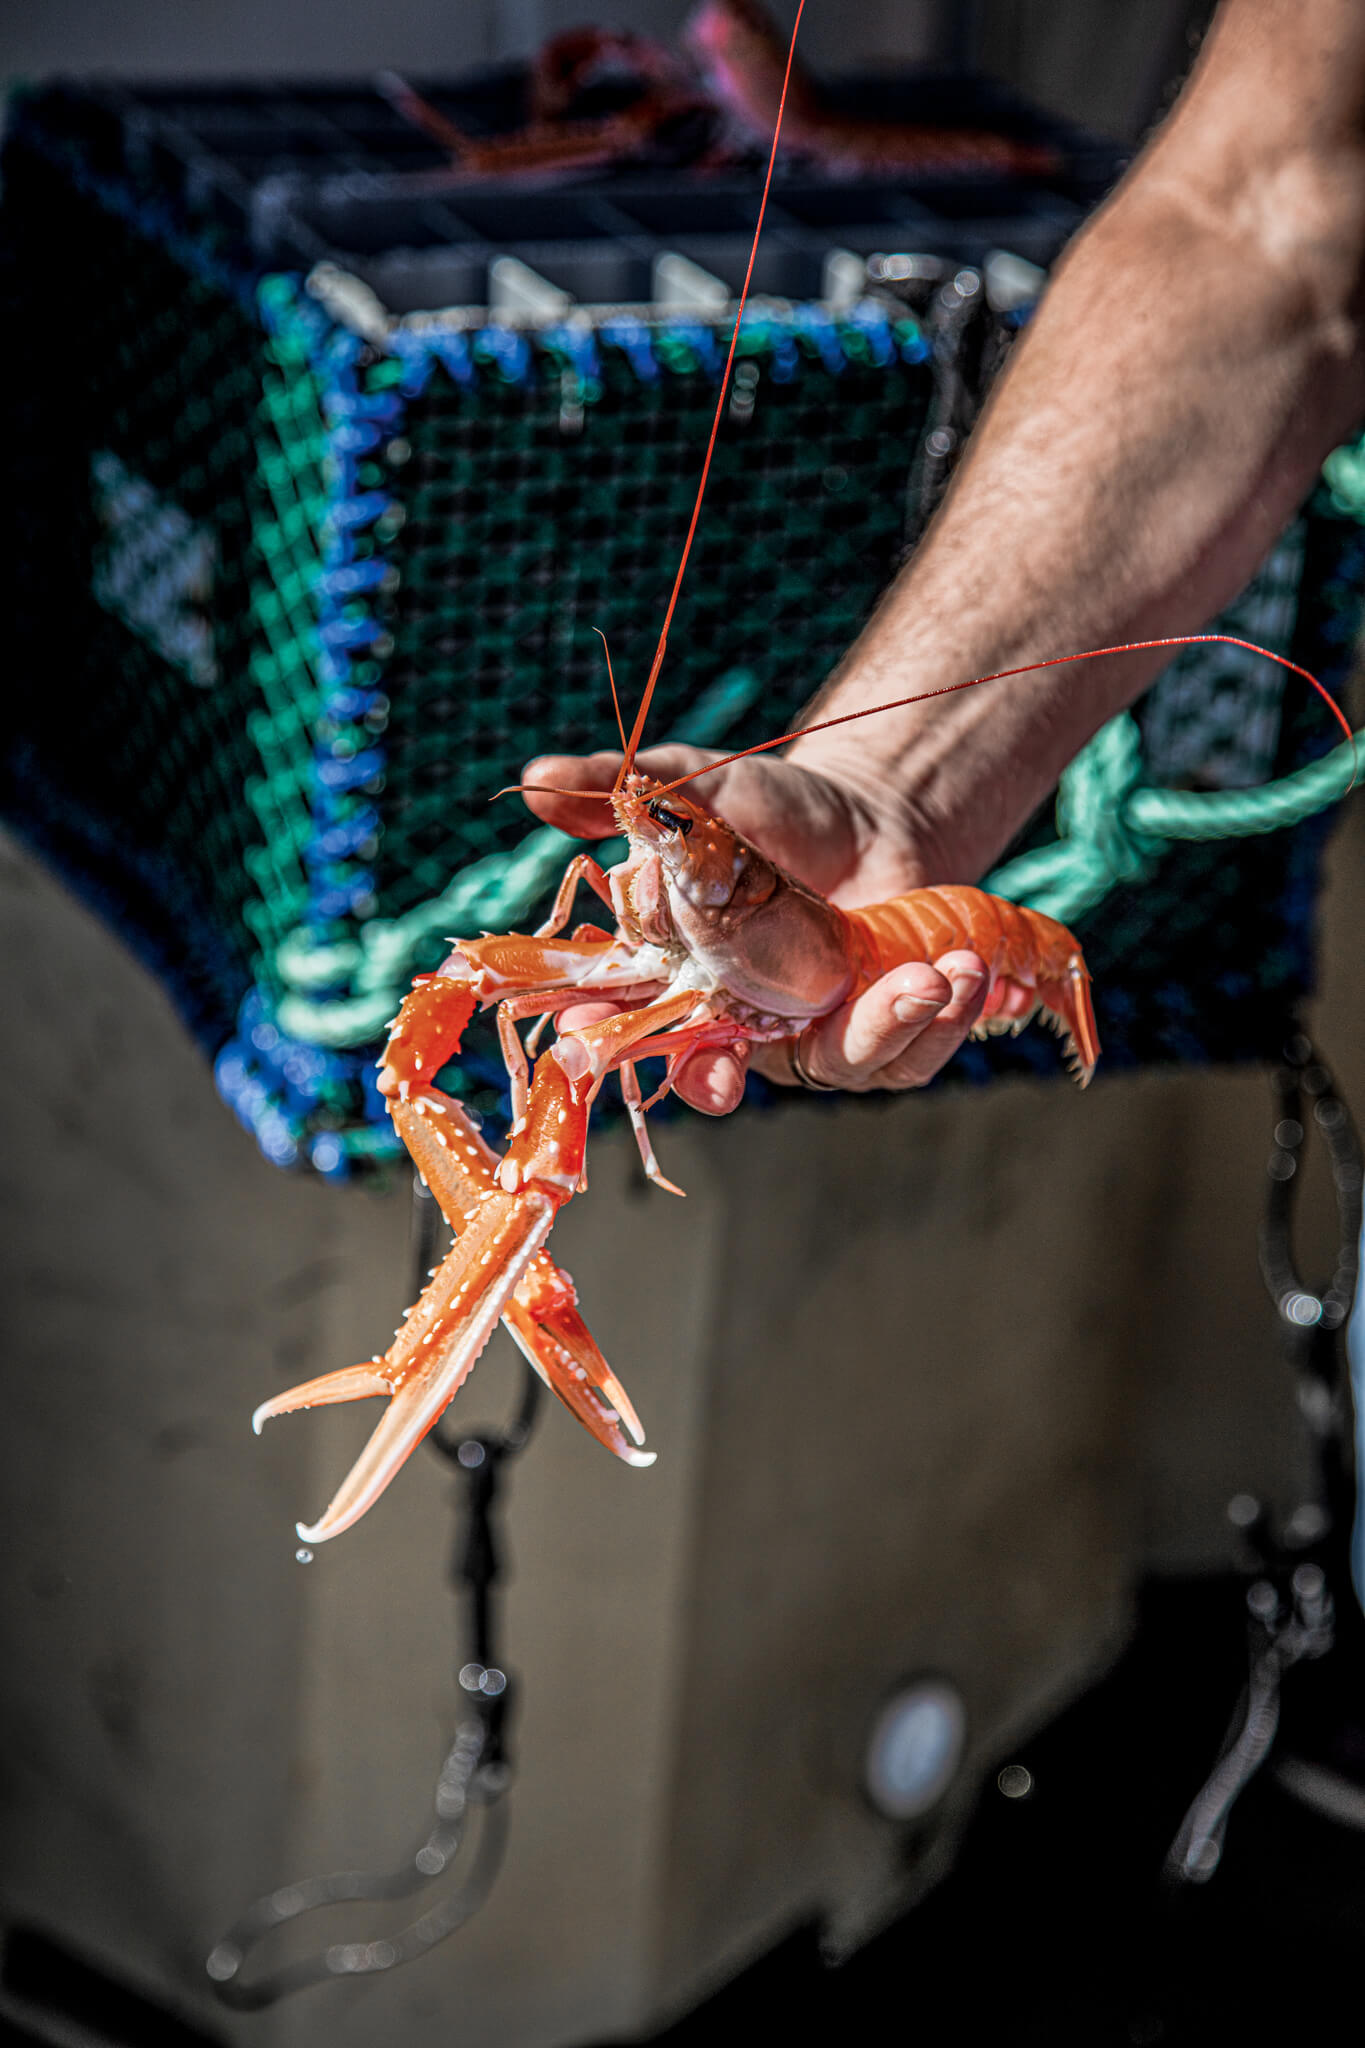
[{"x": 842, "y": 836}]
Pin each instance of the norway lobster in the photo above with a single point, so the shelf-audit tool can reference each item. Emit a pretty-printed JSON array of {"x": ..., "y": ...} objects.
[{"x": 713, "y": 946}]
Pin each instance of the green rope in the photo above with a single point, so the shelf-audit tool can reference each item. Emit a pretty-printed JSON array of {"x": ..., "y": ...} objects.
[
  {"x": 1112, "y": 830},
  {"x": 1344, "y": 474}
]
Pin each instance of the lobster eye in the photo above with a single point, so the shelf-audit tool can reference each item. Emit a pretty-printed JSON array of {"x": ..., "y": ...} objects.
[{"x": 671, "y": 819}]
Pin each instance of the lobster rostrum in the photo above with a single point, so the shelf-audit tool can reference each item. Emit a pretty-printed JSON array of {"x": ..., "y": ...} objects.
[{"x": 713, "y": 946}]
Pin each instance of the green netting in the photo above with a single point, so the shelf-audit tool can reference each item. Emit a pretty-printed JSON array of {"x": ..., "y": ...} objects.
[
  {"x": 134, "y": 450},
  {"x": 313, "y": 602},
  {"x": 292, "y": 604},
  {"x": 291, "y": 461}
]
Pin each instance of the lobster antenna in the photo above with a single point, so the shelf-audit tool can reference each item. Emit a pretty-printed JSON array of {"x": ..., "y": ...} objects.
[
  {"x": 611, "y": 678},
  {"x": 1028, "y": 667},
  {"x": 633, "y": 742},
  {"x": 515, "y": 788},
  {"x": 597, "y": 796}
]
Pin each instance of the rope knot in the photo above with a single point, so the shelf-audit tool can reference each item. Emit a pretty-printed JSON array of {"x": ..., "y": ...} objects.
[{"x": 1093, "y": 806}]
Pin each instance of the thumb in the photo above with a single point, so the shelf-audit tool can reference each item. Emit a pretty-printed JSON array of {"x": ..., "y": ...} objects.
[{"x": 584, "y": 817}]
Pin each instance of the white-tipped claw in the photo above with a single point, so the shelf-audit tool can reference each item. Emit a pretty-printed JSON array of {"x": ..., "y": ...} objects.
[
  {"x": 352, "y": 1383},
  {"x": 429, "y": 1386},
  {"x": 624, "y": 1407}
]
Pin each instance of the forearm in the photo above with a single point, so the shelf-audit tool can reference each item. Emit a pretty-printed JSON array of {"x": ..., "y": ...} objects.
[{"x": 1197, "y": 355}]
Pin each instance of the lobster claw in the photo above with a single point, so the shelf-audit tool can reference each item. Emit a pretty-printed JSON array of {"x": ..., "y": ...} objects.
[
  {"x": 433, "y": 1353},
  {"x": 543, "y": 1320},
  {"x": 542, "y": 1314},
  {"x": 496, "y": 1268}
]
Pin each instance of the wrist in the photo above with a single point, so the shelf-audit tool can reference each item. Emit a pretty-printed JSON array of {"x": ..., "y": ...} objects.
[{"x": 943, "y": 784}]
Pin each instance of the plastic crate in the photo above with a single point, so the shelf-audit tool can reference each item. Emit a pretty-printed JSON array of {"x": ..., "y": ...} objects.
[{"x": 308, "y": 569}]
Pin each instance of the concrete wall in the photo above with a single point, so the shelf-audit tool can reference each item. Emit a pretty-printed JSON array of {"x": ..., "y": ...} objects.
[{"x": 930, "y": 1383}]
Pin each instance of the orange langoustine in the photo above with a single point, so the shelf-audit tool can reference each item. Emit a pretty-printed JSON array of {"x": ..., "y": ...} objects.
[{"x": 713, "y": 946}]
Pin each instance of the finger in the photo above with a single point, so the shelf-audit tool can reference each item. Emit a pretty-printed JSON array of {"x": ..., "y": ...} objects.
[
  {"x": 579, "y": 1014},
  {"x": 584, "y": 817},
  {"x": 713, "y": 1080},
  {"x": 891, "y": 1015},
  {"x": 849, "y": 1048},
  {"x": 1010, "y": 999},
  {"x": 899, "y": 1032},
  {"x": 935, "y": 1045}
]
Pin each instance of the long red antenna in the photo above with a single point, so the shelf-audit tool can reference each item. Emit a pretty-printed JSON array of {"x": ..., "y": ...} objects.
[
  {"x": 1028, "y": 667},
  {"x": 611, "y": 678},
  {"x": 658, "y": 661}
]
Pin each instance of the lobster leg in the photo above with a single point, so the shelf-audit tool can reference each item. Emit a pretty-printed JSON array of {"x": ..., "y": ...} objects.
[
  {"x": 593, "y": 1050},
  {"x": 432, "y": 1020},
  {"x": 635, "y": 1109},
  {"x": 581, "y": 868},
  {"x": 514, "y": 1057}
]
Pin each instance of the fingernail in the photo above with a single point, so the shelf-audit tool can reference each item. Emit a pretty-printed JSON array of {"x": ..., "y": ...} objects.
[
  {"x": 914, "y": 1009},
  {"x": 965, "y": 986}
]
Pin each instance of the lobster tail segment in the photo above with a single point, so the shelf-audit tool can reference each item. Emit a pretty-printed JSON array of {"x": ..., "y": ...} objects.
[
  {"x": 1035, "y": 963},
  {"x": 1034, "y": 952}
]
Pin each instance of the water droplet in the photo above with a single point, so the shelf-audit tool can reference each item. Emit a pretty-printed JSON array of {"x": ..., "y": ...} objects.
[{"x": 302, "y": 1556}]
